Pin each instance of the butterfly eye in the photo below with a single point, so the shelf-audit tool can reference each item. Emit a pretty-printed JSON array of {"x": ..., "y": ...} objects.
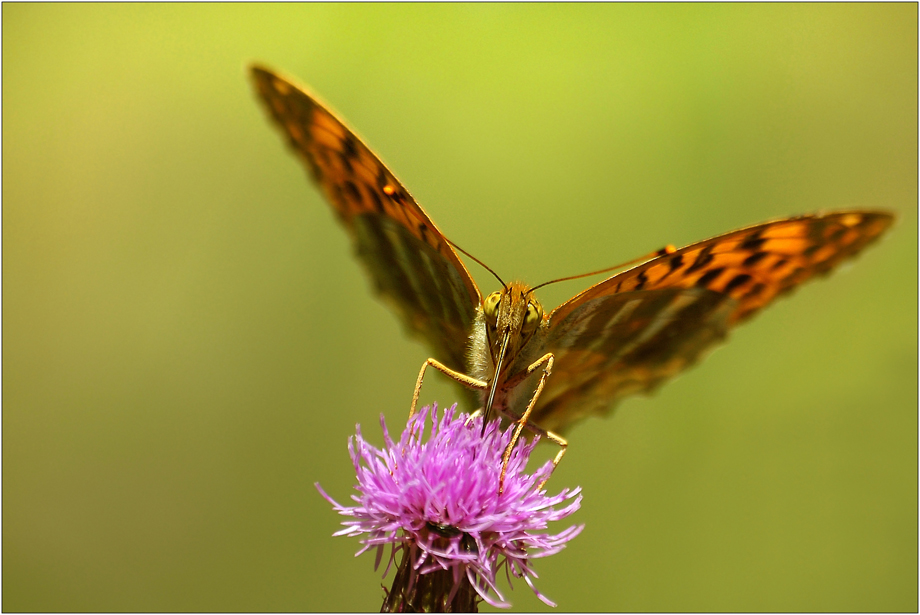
[
  {"x": 490, "y": 306},
  {"x": 532, "y": 318}
]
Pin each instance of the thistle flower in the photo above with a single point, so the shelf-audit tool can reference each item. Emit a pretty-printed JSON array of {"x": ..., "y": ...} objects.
[{"x": 438, "y": 503}]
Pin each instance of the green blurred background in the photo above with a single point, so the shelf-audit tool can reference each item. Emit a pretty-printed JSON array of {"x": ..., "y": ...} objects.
[{"x": 188, "y": 342}]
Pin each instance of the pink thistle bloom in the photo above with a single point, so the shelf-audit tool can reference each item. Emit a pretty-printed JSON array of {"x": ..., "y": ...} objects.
[{"x": 438, "y": 502}]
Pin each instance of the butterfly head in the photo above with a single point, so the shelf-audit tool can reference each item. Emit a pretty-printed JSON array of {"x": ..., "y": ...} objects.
[{"x": 512, "y": 316}]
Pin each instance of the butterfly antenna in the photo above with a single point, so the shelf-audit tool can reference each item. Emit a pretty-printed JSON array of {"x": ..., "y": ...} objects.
[
  {"x": 668, "y": 249},
  {"x": 484, "y": 266}
]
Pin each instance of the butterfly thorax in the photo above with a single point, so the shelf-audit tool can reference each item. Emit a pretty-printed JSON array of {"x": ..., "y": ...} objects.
[{"x": 506, "y": 337}]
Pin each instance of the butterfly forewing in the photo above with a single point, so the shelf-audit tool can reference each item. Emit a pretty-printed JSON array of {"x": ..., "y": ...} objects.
[
  {"x": 410, "y": 262},
  {"x": 638, "y": 328},
  {"x": 752, "y": 265}
]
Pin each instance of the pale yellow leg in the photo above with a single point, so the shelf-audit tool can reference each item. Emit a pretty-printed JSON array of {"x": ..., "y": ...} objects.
[
  {"x": 468, "y": 381},
  {"x": 460, "y": 377},
  {"x": 546, "y": 360},
  {"x": 557, "y": 439}
]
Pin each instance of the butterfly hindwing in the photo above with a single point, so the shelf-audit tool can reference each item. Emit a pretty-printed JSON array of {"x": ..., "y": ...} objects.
[
  {"x": 617, "y": 345},
  {"x": 410, "y": 262}
]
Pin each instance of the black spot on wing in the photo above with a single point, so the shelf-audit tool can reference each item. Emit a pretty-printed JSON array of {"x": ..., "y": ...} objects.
[
  {"x": 375, "y": 199},
  {"x": 837, "y": 235},
  {"x": 642, "y": 280},
  {"x": 346, "y": 163},
  {"x": 753, "y": 242},
  {"x": 709, "y": 277},
  {"x": 739, "y": 280},
  {"x": 754, "y": 291},
  {"x": 676, "y": 261},
  {"x": 429, "y": 237},
  {"x": 754, "y": 258},
  {"x": 810, "y": 250},
  {"x": 702, "y": 259},
  {"x": 349, "y": 146},
  {"x": 352, "y": 190}
]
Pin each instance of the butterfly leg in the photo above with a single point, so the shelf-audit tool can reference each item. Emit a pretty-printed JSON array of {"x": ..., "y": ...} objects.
[
  {"x": 546, "y": 361},
  {"x": 556, "y": 439},
  {"x": 460, "y": 377},
  {"x": 467, "y": 381}
]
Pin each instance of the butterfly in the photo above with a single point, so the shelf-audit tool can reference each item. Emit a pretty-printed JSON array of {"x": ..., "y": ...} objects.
[{"x": 622, "y": 336}]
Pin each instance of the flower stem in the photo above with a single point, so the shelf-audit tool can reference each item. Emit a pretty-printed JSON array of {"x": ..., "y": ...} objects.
[{"x": 429, "y": 593}]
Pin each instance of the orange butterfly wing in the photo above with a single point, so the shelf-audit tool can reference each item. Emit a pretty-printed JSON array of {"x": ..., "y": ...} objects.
[
  {"x": 410, "y": 262},
  {"x": 638, "y": 328}
]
